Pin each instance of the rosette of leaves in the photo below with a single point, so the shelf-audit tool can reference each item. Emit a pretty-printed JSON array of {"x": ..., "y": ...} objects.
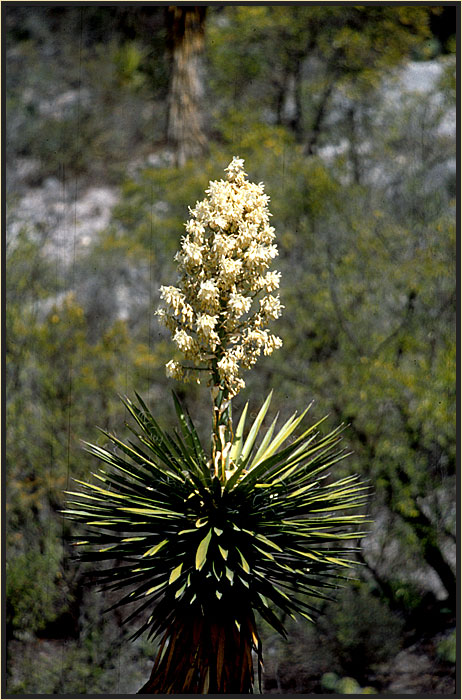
[{"x": 200, "y": 554}]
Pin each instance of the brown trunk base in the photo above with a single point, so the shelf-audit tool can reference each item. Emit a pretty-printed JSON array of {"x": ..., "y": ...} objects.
[{"x": 201, "y": 657}]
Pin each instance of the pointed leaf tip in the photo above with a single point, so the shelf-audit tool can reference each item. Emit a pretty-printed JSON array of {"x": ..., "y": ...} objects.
[{"x": 176, "y": 573}]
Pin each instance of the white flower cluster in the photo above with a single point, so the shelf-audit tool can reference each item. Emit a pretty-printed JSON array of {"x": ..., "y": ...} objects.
[{"x": 224, "y": 298}]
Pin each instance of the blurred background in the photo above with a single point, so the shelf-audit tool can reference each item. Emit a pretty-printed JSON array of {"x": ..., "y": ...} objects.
[{"x": 117, "y": 117}]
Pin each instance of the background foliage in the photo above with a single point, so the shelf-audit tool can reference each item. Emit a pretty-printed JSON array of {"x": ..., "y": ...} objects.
[{"x": 359, "y": 161}]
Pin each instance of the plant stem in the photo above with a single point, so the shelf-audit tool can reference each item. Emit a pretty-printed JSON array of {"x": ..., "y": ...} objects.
[{"x": 222, "y": 431}]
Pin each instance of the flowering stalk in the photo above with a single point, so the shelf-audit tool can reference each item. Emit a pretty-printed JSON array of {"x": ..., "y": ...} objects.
[{"x": 224, "y": 298}]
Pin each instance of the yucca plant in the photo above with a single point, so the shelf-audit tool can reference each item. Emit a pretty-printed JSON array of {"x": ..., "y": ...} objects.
[{"x": 204, "y": 539}]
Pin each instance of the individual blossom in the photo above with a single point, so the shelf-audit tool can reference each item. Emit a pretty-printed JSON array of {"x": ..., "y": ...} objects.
[
  {"x": 257, "y": 257},
  {"x": 229, "y": 271},
  {"x": 191, "y": 254},
  {"x": 255, "y": 340},
  {"x": 185, "y": 343},
  {"x": 208, "y": 295},
  {"x": 227, "y": 365},
  {"x": 271, "y": 281},
  {"x": 205, "y": 324},
  {"x": 223, "y": 245},
  {"x": 235, "y": 170},
  {"x": 174, "y": 370},
  {"x": 173, "y": 298},
  {"x": 272, "y": 343},
  {"x": 270, "y": 307},
  {"x": 201, "y": 212},
  {"x": 195, "y": 230},
  {"x": 238, "y": 304}
]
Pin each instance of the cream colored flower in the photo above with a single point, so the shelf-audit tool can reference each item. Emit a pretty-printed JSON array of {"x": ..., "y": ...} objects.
[
  {"x": 196, "y": 230},
  {"x": 229, "y": 270},
  {"x": 192, "y": 253},
  {"x": 205, "y": 324},
  {"x": 239, "y": 304},
  {"x": 271, "y": 281},
  {"x": 227, "y": 366},
  {"x": 184, "y": 342},
  {"x": 235, "y": 171},
  {"x": 173, "y": 297},
  {"x": 271, "y": 344},
  {"x": 208, "y": 295},
  {"x": 174, "y": 370},
  {"x": 270, "y": 307},
  {"x": 223, "y": 245}
]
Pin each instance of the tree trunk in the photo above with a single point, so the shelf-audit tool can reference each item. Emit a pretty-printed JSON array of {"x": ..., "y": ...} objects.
[
  {"x": 319, "y": 116},
  {"x": 353, "y": 146},
  {"x": 198, "y": 656},
  {"x": 290, "y": 109},
  {"x": 431, "y": 551},
  {"x": 185, "y": 122}
]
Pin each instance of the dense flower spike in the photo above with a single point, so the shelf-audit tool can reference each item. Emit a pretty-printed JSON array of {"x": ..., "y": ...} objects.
[{"x": 225, "y": 294}]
